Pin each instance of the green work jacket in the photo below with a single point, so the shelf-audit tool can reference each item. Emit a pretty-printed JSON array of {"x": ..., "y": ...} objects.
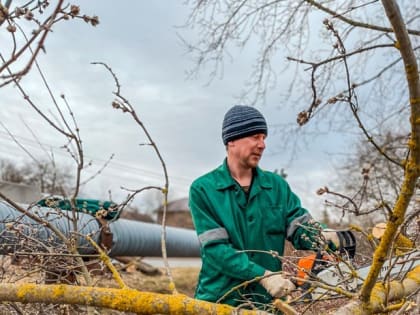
[{"x": 237, "y": 233}]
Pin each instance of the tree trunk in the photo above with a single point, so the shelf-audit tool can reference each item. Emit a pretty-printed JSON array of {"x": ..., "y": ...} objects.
[
  {"x": 383, "y": 293},
  {"x": 128, "y": 300},
  {"x": 412, "y": 165}
]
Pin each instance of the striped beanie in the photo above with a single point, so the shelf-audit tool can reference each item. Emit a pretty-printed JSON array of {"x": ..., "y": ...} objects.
[{"x": 242, "y": 121}]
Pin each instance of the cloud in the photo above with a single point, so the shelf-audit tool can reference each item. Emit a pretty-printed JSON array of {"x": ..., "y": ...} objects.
[{"x": 138, "y": 39}]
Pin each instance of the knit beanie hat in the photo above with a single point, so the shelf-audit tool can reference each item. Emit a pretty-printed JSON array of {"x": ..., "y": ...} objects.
[{"x": 242, "y": 121}]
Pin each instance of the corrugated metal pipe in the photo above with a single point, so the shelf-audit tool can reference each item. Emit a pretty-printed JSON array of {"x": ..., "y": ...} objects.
[{"x": 129, "y": 238}]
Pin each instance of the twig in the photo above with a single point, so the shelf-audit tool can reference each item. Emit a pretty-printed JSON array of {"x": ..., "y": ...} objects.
[
  {"x": 105, "y": 258},
  {"x": 122, "y": 103},
  {"x": 64, "y": 239},
  {"x": 98, "y": 172},
  {"x": 284, "y": 307}
]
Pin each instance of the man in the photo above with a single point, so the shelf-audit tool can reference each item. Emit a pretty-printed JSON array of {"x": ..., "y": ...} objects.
[{"x": 242, "y": 214}]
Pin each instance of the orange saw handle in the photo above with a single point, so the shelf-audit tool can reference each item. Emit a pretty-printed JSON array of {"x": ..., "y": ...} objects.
[{"x": 311, "y": 264}]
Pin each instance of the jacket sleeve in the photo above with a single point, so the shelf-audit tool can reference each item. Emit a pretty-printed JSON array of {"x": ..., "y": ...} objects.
[
  {"x": 302, "y": 229},
  {"x": 216, "y": 248}
]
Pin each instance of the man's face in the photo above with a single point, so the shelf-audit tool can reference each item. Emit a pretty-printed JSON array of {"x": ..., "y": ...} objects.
[{"x": 247, "y": 151}]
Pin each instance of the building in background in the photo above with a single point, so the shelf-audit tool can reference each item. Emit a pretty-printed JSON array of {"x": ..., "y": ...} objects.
[
  {"x": 20, "y": 193},
  {"x": 178, "y": 214}
]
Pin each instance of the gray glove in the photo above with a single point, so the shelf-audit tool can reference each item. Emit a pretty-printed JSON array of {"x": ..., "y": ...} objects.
[
  {"x": 276, "y": 285},
  {"x": 342, "y": 240},
  {"x": 331, "y": 236}
]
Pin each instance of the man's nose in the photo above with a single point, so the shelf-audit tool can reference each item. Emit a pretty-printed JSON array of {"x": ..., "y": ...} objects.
[{"x": 261, "y": 144}]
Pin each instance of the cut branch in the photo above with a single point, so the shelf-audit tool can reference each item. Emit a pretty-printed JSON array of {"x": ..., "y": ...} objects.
[
  {"x": 127, "y": 300},
  {"x": 381, "y": 294}
]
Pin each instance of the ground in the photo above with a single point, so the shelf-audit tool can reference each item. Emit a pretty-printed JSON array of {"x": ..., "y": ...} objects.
[{"x": 185, "y": 279}]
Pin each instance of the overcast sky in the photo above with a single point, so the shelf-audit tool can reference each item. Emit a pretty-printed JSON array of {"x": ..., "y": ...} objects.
[{"x": 138, "y": 39}]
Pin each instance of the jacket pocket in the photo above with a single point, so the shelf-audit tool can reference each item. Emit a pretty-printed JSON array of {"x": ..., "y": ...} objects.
[{"x": 274, "y": 221}]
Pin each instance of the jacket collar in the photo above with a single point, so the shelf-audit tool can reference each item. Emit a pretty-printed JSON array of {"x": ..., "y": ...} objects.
[{"x": 225, "y": 180}]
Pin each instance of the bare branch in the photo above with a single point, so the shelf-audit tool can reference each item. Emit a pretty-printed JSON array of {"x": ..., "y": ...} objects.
[{"x": 357, "y": 23}]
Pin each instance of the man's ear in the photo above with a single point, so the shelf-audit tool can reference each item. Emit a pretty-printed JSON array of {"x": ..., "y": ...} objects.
[{"x": 230, "y": 144}]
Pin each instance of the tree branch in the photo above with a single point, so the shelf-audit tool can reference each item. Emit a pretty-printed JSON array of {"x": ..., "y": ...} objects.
[
  {"x": 127, "y": 300},
  {"x": 412, "y": 167},
  {"x": 356, "y": 23},
  {"x": 381, "y": 294}
]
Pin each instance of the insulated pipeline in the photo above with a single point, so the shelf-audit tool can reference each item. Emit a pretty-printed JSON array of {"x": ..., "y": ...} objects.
[
  {"x": 144, "y": 239},
  {"x": 129, "y": 238}
]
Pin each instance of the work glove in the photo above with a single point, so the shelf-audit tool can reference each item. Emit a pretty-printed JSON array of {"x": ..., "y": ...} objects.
[
  {"x": 276, "y": 285},
  {"x": 332, "y": 239},
  {"x": 341, "y": 240}
]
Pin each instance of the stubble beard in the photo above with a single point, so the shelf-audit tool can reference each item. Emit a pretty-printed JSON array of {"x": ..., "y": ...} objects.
[{"x": 253, "y": 161}]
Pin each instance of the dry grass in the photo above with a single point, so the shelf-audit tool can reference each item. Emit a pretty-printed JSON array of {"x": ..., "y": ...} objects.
[{"x": 185, "y": 279}]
